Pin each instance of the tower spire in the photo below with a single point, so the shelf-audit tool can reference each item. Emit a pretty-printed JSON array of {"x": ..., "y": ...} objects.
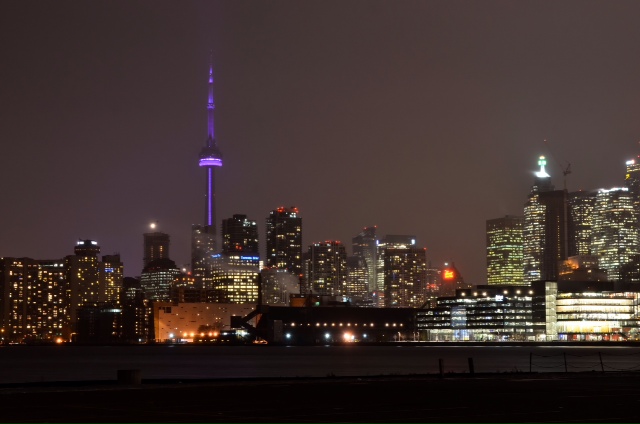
[{"x": 210, "y": 105}]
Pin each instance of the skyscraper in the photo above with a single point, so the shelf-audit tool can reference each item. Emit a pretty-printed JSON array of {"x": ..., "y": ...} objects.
[
  {"x": 615, "y": 235},
  {"x": 328, "y": 268},
  {"x": 632, "y": 182},
  {"x": 581, "y": 205},
  {"x": 156, "y": 246},
  {"x": 83, "y": 277},
  {"x": 284, "y": 239},
  {"x": 111, "y": 275},
  {"x": 505, "y": 251},
  {"x": 157, "y": 278},
  {"x": 364, "y": 247},
  {"x": 239, "y": 234},
  {"x": 405, "y": 282},
  {"x": 546, "y": 228}
]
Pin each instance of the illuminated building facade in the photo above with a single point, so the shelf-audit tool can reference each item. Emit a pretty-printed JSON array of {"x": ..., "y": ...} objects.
[
  {"x": 186, "y": 322},
  {"x": 405, "y": 276},
  {"x": 581, "y": 205},
  {"x": 357, "y": 286},
  {"x": 505, "y": 251},
  {"x": 83, "y": 277},
  {"x": 486, "y": 313},
  {"x": 390, "y": 241},
  {"x": 364, "y": 246},
  {"x": 34, "y": 294},
  {"x": 284, "y": 240},
  {"x": 156, "y": 246},
  {"x": 597, "y": 316},
  {"x": 203, "y": 237},
  {"x": 632, "y": 182},
  {"x": 111, "y": 275},
  {"x": 327, "y": 273},
  {"x": 546, "y": 228},
  {"x": 158, "y": 278},
  {"x": 235, "y": 277},
  {"x": 615, "y": 237},
  {"x": 239, "y": 234}
]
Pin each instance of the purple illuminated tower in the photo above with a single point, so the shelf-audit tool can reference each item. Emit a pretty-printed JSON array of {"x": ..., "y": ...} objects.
[
  {"x": 203, "y": 242},
  {"x": 210, "y": 158}
]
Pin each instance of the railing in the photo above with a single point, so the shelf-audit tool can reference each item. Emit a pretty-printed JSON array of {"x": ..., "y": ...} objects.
[{"x": 571, "y": 362}]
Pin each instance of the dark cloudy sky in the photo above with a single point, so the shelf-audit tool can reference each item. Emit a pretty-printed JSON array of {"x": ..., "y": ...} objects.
[{"x": 420, "y": 117}]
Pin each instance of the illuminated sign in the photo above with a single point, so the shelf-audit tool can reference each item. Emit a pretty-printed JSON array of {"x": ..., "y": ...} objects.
[{"x": 448, "y": 274}]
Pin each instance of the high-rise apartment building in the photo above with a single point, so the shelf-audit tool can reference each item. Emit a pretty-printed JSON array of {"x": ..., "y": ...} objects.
[
  {"x": 155, "y": 245},
  {"x": 365, "y": 247},
  {"x": 390, "y": 241},
  {"x": 203, "y": 237},
  {"x": 357, "y": 287},
  {"x": 34, "y": 294},
  {"x": 327, "y": 268},
  {"x": 615, "y": 235},
  {"x": 405, "y": 280},
  {"x": 83, "y": 277},
  {"x": 239, "y": 234},
  {"x": 284, "y": 240},
  {"x": 546, "y": 228},
  {"x": 111, "y": 271},
  {"x": 505, "y": 250}
]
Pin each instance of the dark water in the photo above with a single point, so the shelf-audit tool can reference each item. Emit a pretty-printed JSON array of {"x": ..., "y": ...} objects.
[{"x": 20, "y": 364}]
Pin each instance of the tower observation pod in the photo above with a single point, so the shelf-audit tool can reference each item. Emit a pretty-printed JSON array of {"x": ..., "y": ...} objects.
[{"x": 210, "y": 157}]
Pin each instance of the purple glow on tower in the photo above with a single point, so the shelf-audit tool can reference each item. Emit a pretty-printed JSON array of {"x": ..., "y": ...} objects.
[{"x": 210, "y": 157}]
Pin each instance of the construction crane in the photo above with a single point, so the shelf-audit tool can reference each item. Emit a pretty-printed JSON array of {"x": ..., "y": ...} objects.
[{"x": 566, "y": 170}]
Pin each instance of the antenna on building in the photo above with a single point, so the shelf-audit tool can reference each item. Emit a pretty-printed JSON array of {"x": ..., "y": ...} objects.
[{"x": 566, "y": 170}]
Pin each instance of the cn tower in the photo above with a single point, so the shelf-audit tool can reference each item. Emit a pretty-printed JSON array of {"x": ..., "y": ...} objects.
[
  {"x": 210, "y": 159},
  {"x": 203, "y": 237}
]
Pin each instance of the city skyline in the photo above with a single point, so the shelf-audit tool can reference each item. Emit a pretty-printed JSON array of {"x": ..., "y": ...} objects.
[{"x": 422, "y": 118}]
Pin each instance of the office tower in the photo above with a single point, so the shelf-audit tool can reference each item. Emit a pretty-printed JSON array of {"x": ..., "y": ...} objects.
[
  {"x": 364, "y": 246},
  {"x": 278, "y": 285},
  {"x": 405, "y": 279},
  {"x": 235, "y": 277},
  {"x": 239, "y": 234},
  {"x": 327, "y": 268},
  {"x": 632, "y": 182},
  {"x": 83, "y": 277},
  {"x": 111, "y": 275},
  {"x": 615, "y": 237},
  {"x": 156, "y": 246},
  {"x": 284, "y": 240},
  {"x": 157, "y": 279},
  {"x": 546, "y": 227},
  {"x": 203, "y": 237},
  {"x": 34, "y": 306},
  {"x": 505, "y": 248},
  {"x": 581, "y": 205},
  {"x": 357, "y": 287}
]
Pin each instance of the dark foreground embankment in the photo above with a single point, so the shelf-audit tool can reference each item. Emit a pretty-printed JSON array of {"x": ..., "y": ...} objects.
[{"x": 505, "y": 397}]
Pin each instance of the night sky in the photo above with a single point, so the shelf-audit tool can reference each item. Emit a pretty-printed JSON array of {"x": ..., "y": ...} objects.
[{"x": 420, "y": 117}]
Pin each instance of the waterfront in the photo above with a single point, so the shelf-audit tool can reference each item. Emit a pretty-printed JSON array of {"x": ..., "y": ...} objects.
[{"x": 27, "y": 364}]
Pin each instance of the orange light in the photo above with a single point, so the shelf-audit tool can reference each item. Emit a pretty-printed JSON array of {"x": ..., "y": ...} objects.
[{"x": 448, "y": 274}]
